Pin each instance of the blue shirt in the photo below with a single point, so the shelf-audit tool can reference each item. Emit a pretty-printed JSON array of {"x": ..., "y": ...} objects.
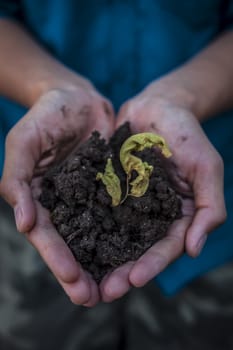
[{"x": 122, "y": 46}]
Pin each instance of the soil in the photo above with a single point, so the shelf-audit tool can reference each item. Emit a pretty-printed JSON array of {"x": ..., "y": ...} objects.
[{"x": 100, "y": 236}]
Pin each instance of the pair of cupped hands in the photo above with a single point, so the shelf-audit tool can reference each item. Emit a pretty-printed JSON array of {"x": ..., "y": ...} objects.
[{"x": 63, "y": 118}]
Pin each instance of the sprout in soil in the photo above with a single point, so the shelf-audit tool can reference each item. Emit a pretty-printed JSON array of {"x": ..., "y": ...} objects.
[{"x": 130, "y": 163}]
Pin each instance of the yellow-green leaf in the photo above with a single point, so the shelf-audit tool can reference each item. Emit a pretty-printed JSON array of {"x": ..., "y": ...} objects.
[
  {"x": 112, "y": 182},
  {"x": 130, "y": 162},
  {"x": 140, "y": 185}
]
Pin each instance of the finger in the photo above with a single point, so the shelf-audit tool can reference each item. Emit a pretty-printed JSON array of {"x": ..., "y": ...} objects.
[
  {"x": 18, "y": 195},
  {"x": 53, "y": 249},
  {"x": 108, "y": 127},
  {"x": 122, "y": 117},
  {"x": 103, "y": 120},
  {"x": 117, "y": 283},
  {"x": 59, "y": 258},
  {"x": 105, "y": 126},
  {"x": 161, "y": 254},
  {"x": 94, "y": 290},
  {"x": 131, "y": 112},
  {"x": 79, "y": 291},
  {"x": 210, "y": 206},
  {"x": 17, "y": 174}
]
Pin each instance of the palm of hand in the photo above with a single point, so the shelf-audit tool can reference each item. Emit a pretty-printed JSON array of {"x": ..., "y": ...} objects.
[
  {"x": 55, "y": 126},
  {"x": 52, "y": 128},
  {"x": 197, "y": 172}
]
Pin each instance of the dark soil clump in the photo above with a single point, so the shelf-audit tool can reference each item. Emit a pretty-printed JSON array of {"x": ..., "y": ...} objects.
[{"x": 100, "y": 236}]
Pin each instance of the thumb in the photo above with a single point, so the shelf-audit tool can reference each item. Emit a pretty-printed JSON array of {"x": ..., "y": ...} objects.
[
  {"x": 122, "y": 116},
  {"x": 105, "y": 120},
  {"x": 17, "y": 174},
  {"x": 130, "y": 112}
]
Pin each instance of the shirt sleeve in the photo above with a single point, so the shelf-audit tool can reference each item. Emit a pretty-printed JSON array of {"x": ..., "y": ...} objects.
[{"x": 10, "y": 9}]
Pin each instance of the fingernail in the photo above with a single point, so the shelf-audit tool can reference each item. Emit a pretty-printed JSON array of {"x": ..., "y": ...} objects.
[
  {"x": 18, "y": 217},
  {"x": 201, "y": 244}
]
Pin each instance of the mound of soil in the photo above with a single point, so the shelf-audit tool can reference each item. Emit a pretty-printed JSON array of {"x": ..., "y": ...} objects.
[{"x": 100, "y": 236}]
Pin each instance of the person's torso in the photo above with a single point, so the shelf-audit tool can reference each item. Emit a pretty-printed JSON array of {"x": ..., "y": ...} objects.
[{"x": 123, "y": 45}]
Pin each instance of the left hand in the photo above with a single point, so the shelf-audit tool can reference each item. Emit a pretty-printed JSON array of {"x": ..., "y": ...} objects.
[
  {"x": 54, "y": 126},
  {"x": 197, "y": 169}
]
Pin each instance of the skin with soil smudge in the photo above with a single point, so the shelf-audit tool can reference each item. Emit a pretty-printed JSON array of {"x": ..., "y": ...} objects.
[{"x": 100, "y": 236}]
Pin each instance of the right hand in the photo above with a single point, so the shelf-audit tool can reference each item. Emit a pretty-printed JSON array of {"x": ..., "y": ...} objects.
[
  {"x": 197, "y": 172},
  {"x": 56, "y": 124}
]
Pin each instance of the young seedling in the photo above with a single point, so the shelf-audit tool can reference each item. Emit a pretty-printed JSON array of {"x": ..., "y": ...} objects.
[
  {"x": 112, "y": 182},
  {"x": 102, "y": 239},
  {"x": 130, "y": 163}
]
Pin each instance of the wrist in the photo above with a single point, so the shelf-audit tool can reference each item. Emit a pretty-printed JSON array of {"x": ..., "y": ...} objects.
[{"x": 202, "y": 86}]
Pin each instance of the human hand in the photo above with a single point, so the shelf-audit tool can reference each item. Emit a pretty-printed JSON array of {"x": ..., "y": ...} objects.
[
  {"x": 197, "y": 170},
  {"x": 56, "y": 124}
]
